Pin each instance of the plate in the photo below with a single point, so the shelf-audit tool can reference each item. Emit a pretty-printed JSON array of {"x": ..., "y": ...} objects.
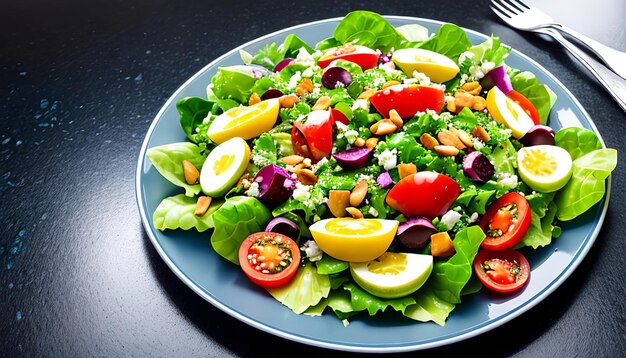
[{"x": 192, "y": 259}]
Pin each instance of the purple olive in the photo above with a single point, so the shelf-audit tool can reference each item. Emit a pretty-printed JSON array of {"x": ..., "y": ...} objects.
[
  {"x": 282, "y": 64},
  {"x": 335, "y": 75},
  {"x": 538, "y": 135},
  {"x": 271, "y": 93},
  {"x": 353, "y": 158},
  {"x": 275, "y": 184},
  {"x": 415, "y": 233},
  {"x": 284, "y": 226},
  {"x": 477, "y": 167}
]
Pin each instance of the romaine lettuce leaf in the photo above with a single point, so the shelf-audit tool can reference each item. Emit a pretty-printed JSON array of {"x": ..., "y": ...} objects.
[
  {"x": 168, "y": 160},
  {"x": 177, "y": 212},
  {"x": 251, "y": 216}
]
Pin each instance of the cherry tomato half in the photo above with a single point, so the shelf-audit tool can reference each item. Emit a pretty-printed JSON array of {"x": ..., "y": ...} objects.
[
  {"x": 427, "y": 194},
  {"x": 407, "y": 100},
  {"x": 526, "y": 105},
  {"x": 313, "y": 138},
  {"x": 269, "y": 259},
  {"x": 363, "y": 56},
  {"x": 501, "y": 271},
  {"x": 506, "y": 222}
]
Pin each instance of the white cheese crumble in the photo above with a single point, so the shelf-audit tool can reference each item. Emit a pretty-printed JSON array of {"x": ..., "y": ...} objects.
[
  {"x": 359, "y": 103},
  {"x": 302, "y": 192},
  {"x": 450, "y": 218},
  {"x": 312, "y": 251},
  {"x": 304, "y": 58},
  {"x": 373, "y": 211},
  {"x": 421, "y": 77},
  {"x": 388, "y": 159},
  {"x": 253, "y": 190},
  {"x": 508, "y": 180}
]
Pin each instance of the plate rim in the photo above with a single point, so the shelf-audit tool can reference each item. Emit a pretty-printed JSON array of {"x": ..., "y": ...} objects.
[{"x": 488, "y": 326}]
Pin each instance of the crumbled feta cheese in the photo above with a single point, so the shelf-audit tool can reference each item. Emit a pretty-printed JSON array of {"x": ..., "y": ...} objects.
[
  {"x": 302, "y": 192},
  {"x": 508, "y": 180},
  {"x": 308, "y": 72},
  {"x": 312, "y": 251},
  {"x": 450, "y": 218},
  {"x": 388, "y": 158},
  {"x": 473, "y": 218},
  {"x": 253, "y": 190},
  {"x": 359, "y": 103},
  {"x": 305, "y": 58},
  {"x": 421, "y": 77},
  {"x": 373, "y": 211},
  {"x": 295, "y": 80}
]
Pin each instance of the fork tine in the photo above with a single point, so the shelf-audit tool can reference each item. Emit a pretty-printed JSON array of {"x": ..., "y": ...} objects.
[
  {"x": 521, "y": 5},
  {"x": 511, "y": 7},
  {"x": 501, "y": 10}
]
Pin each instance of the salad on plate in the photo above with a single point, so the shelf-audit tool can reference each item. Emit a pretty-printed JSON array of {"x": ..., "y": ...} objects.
[{"x": 383, "y": 168}]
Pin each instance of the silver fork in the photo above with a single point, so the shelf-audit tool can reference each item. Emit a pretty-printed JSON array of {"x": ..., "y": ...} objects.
[
  {"x": 615, "y": 85},
  {"x": 529, "y": 18}
]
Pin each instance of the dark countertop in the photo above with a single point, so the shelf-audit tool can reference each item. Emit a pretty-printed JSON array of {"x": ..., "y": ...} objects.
[{"x": 80, "y": 84}]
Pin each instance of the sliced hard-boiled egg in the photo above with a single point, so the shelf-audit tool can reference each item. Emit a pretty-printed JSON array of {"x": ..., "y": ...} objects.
[
  {"x": 545, "y": 168},
  {"x": 244, "y": 121},
  {"x": 224, "y": 166},
  {"x": 354, "y": 240},
  {"x": 393, "y": 274},
  {"x": 438, "y": 67},
  {"x": 506, "y": 111}
]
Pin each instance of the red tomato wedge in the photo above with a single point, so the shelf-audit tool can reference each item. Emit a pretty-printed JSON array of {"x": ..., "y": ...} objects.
[
  {"x": 313, "y": 138},
  {"x": 338, "y": 116},
  {"x": 506, "y": 222},
  {"x": 269, "y": 259},
  {"x": 407, "y": 100},
  {"x": 501, "y": 271},
  {"x": 426, "y": 194},
  {"x": 363, "y": 56},
  {"x": 526, "y": 105}
]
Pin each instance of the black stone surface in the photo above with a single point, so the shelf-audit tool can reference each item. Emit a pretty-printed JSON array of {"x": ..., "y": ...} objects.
[{"x": 80, "y": 83}]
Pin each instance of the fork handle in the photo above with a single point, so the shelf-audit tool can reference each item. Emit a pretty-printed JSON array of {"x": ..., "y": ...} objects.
[
  {"x": 614, "y": 84},
  {"x": 614, "y": 59}
]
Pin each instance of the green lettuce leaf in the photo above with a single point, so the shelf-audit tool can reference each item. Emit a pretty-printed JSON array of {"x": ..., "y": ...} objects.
[
  {"x": 177, "y": 212},
  {"x": 234, "y": 83},
  {"x": 577, "y": 141},
  {"x": 429, "y": 307},
  {"x": 587, "y": 184},
  {"x": 449, "y": 276},
  {"x": 193, "y": 113},
  {"x": 450, "y": 40},
  {"x": 368, "y": 29},
  {"x": 541, "y": 96},
  {"x": 305, "y": 290},
  {"x": 168, "y": 161},
  {"x": 251, "y": 216},
  {"x": 362, "y": 300},
  {"x": 328, "y": 265},
  {"x": 543, "y": 212}
]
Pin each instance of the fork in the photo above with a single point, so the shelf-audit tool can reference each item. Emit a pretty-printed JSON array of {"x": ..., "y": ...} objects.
[
  {"x": 529, "y": 18},
  {"x": 615, "y": 85}
]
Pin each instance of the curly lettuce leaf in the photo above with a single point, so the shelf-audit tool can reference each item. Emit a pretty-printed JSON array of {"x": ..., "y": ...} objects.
[
  {"x": 177, "y": 212},
  {"x": 168, "y": 161},
  {"x": 449, "y": 277},
  {"x": 251, "y": 216},
  {"x": 305, "y": 290},
  {"x": 362, "y": 300},
  {"x": 542, "y": 228},
  {"x": 195, "y": 118}
]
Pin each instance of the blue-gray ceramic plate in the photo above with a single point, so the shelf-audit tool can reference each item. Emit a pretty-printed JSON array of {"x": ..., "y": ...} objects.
[{"x": 191, "y": 257}]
